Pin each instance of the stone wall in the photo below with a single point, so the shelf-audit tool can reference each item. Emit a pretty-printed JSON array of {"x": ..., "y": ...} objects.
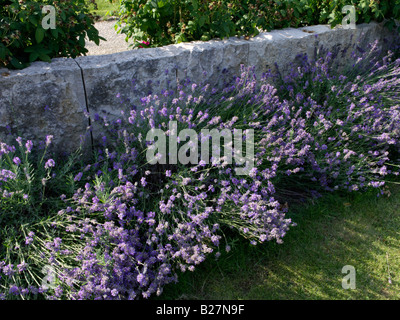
[{"x": 60, "y": 97}]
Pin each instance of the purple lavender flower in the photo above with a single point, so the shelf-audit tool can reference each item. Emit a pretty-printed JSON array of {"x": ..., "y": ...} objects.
[
  {"x": 29, "y": 238},
  {"x": 49, "y": 164},
  {"x": 6, "y": 175},
  {"x": 49, "y": 138},
  {"x": 28, "y": 146},
  {"x": 14, "y": 290},
  {"x": 17, "y": 161},
  {"x": 78, "y": 177}
]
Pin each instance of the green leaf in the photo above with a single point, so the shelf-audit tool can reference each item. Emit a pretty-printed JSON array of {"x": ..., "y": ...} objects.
[
  {"x": 45, "y": 57},
  {"x": 54, "y": 32},
  {"x": 33, "y": 56},
  {"x": 33, "y": 20},
  {"x": 202, "y": 21},
  {"x": 82, "y": 40},
  {"x": 16, "y": 63},
  {"x": 60, "y": 31},
  {"x": 39, "y": 34},
  {"x": 226, "y": 28},
  {"x": 192, "y": 25},
  {"x": 2, "y": 52},
  {"x": 30, "y": 49},
  {"x": 38, "y": 48},
  {"x": 195, "y": 5}
]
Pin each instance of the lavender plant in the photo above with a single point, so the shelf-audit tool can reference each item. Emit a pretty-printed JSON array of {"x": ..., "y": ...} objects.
[
  {"x": 33, "y": 184},
  {"x": 353, "y": 120},
  {"x": 123, "y": 228}
]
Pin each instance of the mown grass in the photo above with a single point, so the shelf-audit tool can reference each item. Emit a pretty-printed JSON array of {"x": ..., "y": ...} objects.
[
  {"x": 105, "y": 8},
  {"x": 337, "y": 230}
]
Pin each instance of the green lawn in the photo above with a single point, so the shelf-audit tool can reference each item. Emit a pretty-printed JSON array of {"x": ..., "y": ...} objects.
[
  {"x": 358, "y": 230},
  {"x": 105, "y": 8}
]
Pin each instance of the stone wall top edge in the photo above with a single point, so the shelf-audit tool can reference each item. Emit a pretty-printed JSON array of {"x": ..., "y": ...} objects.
[
  {"x": 99, "y": 61},
  {"x": 57, "y": 65}
]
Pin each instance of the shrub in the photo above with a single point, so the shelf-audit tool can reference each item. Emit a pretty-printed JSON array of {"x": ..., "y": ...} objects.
[
  {"x": 23, "y": 39},
  {"x": 172, "y": 21},
  {"x": 33, "y": 184},
  {"x": 123, "y": 228},
  {"x": 346, "y": 126},
  {"x": 366, "y": 11}
]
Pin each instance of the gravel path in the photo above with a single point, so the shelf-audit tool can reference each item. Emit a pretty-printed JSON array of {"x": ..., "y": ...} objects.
[{"x": 115, "y": 42}]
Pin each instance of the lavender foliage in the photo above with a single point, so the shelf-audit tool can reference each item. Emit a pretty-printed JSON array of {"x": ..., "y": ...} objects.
[{"x": 125, "y": 228}]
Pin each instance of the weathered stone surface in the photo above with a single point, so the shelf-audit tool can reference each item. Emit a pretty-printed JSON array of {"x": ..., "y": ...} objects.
[
  {"x": 43, "y": 99},
  {"x": 282, "y": 46},
  {"x": 130, "y": 75},
  {"x": 117, "y": 81},
  {"x": 208, "y": 62}
]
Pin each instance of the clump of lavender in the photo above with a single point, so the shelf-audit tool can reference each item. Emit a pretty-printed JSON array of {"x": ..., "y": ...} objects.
[
  {"x": 352, "y": 122},
  {"x": 32, "y": 179},
  {"x": 28, "y": 178},
  {"x": 126, "y": 227},
  {"x": 160, "y": 219},
  {"x": 297, "y": 139},
  {"x": 319, "y": 130}
]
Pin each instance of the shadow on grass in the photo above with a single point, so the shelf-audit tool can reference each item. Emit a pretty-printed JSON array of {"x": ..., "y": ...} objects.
[{"x": 360, "y": 230}]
